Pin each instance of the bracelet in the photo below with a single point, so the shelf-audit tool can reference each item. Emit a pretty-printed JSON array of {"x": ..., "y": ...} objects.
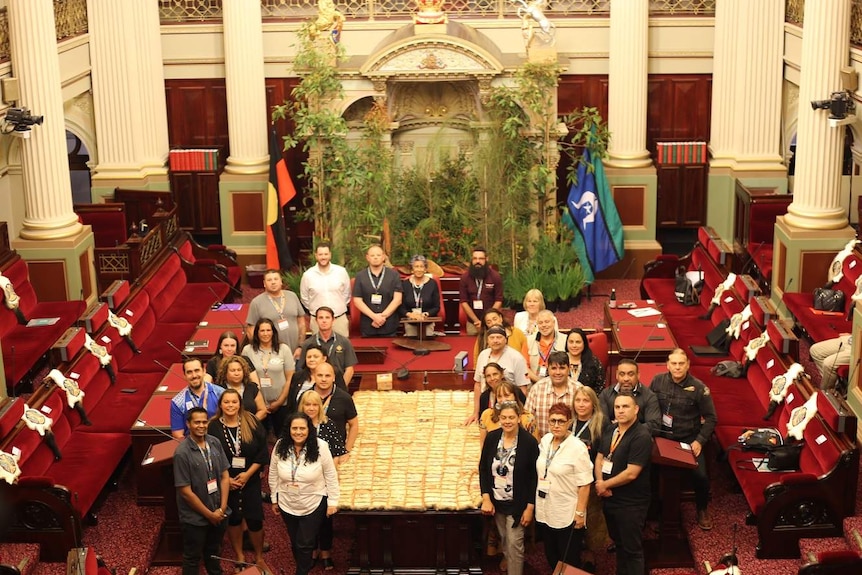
[{"x": 580, "y": 513}]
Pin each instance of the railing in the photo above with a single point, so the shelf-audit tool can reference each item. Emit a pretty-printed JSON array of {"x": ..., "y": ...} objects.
[
  {"x": 70, "y": 19},
  {"x": 175, "y": 11},
  {"x": 856, "y": 22},
  {"x": 794, "y": 11}
]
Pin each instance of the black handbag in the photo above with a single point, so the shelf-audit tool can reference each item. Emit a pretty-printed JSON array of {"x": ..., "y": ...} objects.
[
  {"x": 785, "y": 457},
  {"x": 828, "y": 299}
]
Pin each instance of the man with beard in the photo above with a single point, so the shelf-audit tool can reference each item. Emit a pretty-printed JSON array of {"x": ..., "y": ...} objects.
[
  {"x": 198, "y": 394},
  {"x": 481, "y": 289}
]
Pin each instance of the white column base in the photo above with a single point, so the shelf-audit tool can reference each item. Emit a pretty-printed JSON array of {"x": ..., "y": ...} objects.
[
  {"x": 245, "y": 167},
  {"x": 48, "y": 230}
]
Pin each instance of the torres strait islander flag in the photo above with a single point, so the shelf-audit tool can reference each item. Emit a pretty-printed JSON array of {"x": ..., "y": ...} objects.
[
  {"x": 280, "y": 192},
  {"x": 593, "y": 217}
]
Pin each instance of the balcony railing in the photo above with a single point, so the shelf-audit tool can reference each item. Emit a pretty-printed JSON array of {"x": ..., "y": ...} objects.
[
  {"x": 70, "y": 19},
  {"x": 187, "y": 11},
  {"x": 794, "y": 11}
]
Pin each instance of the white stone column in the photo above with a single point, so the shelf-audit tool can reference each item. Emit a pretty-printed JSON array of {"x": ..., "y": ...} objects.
[
  {"x": 151, "y": 74},
  {"x": 723, "y": 81},
  {"x": 247, "y": 114},
  {"x": 47, "y": 186},
  {"x": 627, "y": 77},
  {"x": 758, "y": 77},
  {"x": 128, "y": 89},
  {"x": 817, "y": 190}
]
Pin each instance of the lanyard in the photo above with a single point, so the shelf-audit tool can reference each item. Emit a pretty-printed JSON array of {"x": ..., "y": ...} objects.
[
  {"x": 544, "y": 356},
  {"x": 205, "y": 453},
  {"x": 199, "y": 401},
  {"x": 294, "y": 462},
  {"x": 234, "y": 440},
  {"x": 264, "y": 360},
  {"x": 376, "y": 287},
  {"x": 479, "y": 285},
  {"x": 326, "y": 402},
  {"x": 417, "y": 294},
  {"x": 551, "y": 454},
  {"x": 616, "y": 440},
  {"x": 280, "y": 306},
  {"x": 585, "y": 426},
  {"x": 331, "y": 345}
]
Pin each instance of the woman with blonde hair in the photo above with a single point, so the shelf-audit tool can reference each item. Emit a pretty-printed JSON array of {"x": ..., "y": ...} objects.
[
  {"x": 527, "y": 320},
  {"x": 311, "y": 405},
  {"x": 588, "y": 426},
  {"x": 490, "y": 418}
]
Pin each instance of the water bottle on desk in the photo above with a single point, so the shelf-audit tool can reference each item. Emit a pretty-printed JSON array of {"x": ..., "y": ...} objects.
[{"x": 613, "y": 301}]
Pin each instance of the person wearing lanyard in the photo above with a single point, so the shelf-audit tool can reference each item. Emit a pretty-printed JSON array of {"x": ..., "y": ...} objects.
[
  {"x": 649, "y": 412},
  {"x": 480, "y": 289},
  {"x": 202, "y": 482},
  {"x": 274, "y": 365},
  {"x": 507, "y": 478},
  {"x": 490, "y": 419},
  {"x": 243, "y": 440},
  {"x": 336, "y": 347},
  {"x": 303, "y": 379},
  {"x": 303, "y": 484},
  {"x": 540, "y": 346},
  {"x": 377, "y": 296},
  {"x": 588, "y": 426},
  {"x": 280, "y": 306},
  {"x": 623, "y": 483},
  {"x": 326, "y": 285},
  {"x": 421, "y": 297},
  {"x": 584, "y": 366},
  {"x": 558, "y": 387},
  {"x": 197, "y": 394},
  {"x": 687, "y": 415},
  {"x": 565, "y": 474}
]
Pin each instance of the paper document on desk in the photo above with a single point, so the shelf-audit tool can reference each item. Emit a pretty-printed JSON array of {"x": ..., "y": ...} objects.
[{"x": 640, "y": 312}]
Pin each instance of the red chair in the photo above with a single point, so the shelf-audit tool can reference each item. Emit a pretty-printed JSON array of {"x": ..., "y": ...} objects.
[{"x": 598, "y": 343}]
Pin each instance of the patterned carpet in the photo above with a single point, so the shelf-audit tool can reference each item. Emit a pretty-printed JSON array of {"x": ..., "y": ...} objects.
[{"x": 126, "y": 534}]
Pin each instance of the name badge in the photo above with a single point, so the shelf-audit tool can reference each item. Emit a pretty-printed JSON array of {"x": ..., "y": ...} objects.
[
  {"x": 189, "y": 405},
  {"x": 607, "y": 467},
  {"x": 543, "y": 371},
  {"x": 282, "y": 324},
  {"x": 499, "y": 482},
  {"x": 238, "y": 463},
  {"x": 266, "y": 382},
  {"x": 667, "y": 420},
  {"x": 376, "y": 299},
  {"x": 544, "y": 486},
  {"x": 477, "y": 304},
  {"x": 212, "y": 486},
  {"x": 293, "y": 488},
  {"x": 417, "y": 310}
]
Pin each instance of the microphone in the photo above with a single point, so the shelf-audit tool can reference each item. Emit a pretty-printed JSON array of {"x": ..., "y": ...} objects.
[
  {"x": 239, "y": 322},
  {"x": 832, "y": 367},
  {"x": 178, "y": 350},
  {"x": 648, "y": 338},
  {"x": 789, "y": 283},
  {"x": 402, "y": 373},
  {"x": 142, "y": 423},
  {"x": 752, "y": 261},
  {"x": 225, "y": 282}
]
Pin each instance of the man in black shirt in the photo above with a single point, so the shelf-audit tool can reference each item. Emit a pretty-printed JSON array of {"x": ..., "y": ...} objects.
[
  {"x": 687, "y": 415},
  {"x": 377, "y": 295},
  {"x": 628, "y": 379},
  {"x": 622, "y": 481}
]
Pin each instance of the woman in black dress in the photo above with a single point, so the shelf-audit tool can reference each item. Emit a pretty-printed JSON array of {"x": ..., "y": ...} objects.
[
  {"x": 584, "y": 366},
  {"x": 312, "y": 405},
  {"x": 302, "y": 379},
  {"x": 421, "y": 297},
  {"x": 243, "y": 439}
]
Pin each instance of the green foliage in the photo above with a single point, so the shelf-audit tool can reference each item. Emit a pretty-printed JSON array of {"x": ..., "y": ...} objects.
[
  {"x": 436, "y": 215},
  {"x": 553, "y": 268},
  {"x": 587, "y": 129},
  {"x": 291, "y": 280}
]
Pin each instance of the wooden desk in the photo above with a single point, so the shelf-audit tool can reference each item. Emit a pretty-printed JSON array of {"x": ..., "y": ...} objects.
[
  {"x": 421, "y": 343},
  {"x": 208, "y": 334},
  {"x": 172, "y": 382},
  {"x": 156, "y": 414},
  {"x": 227, "y": 318},
  {"x": 616, "y": 315},
  {"x": 648, "y": 343}
]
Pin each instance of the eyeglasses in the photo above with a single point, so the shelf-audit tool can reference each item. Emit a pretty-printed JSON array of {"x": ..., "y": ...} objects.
[{"x": 557, "y": 422}]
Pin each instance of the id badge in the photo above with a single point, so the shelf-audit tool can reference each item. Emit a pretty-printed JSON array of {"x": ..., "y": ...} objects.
[
  {"x": 477, "y": 304},
  {"x": 238, "y": 462},
  {"x": 282, "y": 324},
  {"x": 212, "y": 486},
  {"x": 545, "y": 486},
  {"x": 189, "y": 405},
  {"x": 266, "y": 382},
  {"x": 543, "y": 371},
  {"x": 499, "y": 482},
  {"x": 417, "y": 310},
  {"x": 667, "y": 420},
  {"x": 607, "y": 467},
  {"x": 293, "y": 488},
  {"x": 376, "y": 299}
]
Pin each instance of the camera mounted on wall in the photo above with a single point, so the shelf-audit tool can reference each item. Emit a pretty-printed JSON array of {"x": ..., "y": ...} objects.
[
  {"x": 19, "y": 121},
  {"x": 841, "y": 108}
]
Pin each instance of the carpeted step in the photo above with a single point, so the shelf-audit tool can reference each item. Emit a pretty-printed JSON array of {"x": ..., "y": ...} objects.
[
  {"x": 809, "y": 548},
  {"x": 853, "y": 532},
  {"x": 24, "y": 556}
]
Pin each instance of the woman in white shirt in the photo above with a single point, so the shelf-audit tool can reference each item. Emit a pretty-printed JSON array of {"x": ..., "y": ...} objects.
[
  {"x": 303, "y": 485},
  {"x": 534, "y": 302},
  {"x": 274, "y": 365},
  {"x": 565, "y": 475}
]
